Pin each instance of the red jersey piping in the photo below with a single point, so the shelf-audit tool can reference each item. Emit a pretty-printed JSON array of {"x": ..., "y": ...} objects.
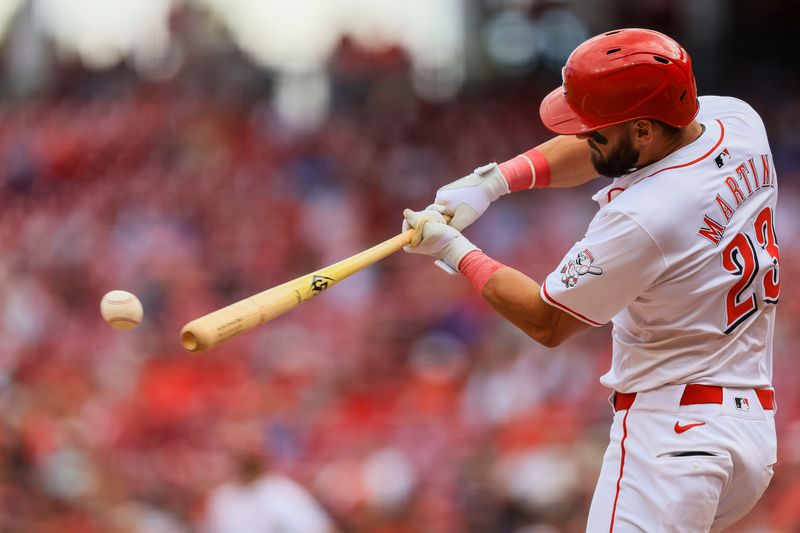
[
  {"x": 621, "y": 467},
  {"x": 551, "y": 301},
  {"x": 713, "y": 149}
]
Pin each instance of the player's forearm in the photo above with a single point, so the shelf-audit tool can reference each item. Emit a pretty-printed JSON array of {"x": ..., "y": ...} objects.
[
  {"x": 560, "y": 162},
  {"x": 516, "y": 297},
  {"x": 563, "y": 161},
  {"x": 570, "y": 161}
]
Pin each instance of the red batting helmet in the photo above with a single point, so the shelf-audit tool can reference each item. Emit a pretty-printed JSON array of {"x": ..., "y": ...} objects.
[{"x": 622, "y": 75}]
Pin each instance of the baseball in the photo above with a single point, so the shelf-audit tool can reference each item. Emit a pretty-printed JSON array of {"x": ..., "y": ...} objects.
[{"x": 121, "y": 309}]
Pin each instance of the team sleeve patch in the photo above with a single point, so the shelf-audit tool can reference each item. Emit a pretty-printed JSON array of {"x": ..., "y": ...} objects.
[
  {"x": 614, "y": 264},
  {"x": 582, "y": 265}
]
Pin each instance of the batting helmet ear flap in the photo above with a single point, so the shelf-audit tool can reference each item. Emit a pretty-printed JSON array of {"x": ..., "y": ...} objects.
[{"x": 619, "y": 76}]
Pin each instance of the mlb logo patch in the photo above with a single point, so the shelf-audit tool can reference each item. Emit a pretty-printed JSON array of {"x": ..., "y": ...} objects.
[
  {"x": 742, "y": 404},
  {"x": 723, "y": 156}
]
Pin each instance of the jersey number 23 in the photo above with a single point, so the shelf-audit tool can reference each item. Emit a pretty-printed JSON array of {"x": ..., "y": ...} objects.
[{"x": 741, "y": 259}]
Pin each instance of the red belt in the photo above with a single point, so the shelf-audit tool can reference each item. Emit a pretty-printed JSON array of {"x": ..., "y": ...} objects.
[{"x": 695, "y": 394}]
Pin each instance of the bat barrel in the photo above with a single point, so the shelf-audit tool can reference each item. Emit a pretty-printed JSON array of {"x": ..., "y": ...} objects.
[{"x": 207, "y": 331}]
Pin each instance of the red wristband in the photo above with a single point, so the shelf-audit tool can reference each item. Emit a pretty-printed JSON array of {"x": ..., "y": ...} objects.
[
  {"x": 526, "y": 171},
  {"x": 478, "y": 267}
]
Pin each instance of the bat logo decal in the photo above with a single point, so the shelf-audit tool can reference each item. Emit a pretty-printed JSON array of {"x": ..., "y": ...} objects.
[{"x": 320, "y": 283}]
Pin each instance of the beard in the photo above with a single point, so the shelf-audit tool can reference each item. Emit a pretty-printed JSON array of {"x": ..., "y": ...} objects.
[{"x": 619, "y": 162}]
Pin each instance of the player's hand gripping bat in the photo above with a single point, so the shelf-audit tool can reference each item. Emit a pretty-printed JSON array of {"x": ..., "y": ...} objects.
[{"x": 220, "y": 325}]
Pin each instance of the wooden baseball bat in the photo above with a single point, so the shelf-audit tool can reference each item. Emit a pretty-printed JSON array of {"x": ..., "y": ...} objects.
[{"x": 220, "y": 325}]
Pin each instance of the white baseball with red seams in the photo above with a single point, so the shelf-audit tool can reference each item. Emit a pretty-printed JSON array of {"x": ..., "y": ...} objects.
[
  {"x": 121, "y": 309},
  {"x": 682, "y": 258}
]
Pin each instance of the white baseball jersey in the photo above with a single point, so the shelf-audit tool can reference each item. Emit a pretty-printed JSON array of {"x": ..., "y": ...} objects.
[{"x": 682, "y": 258}]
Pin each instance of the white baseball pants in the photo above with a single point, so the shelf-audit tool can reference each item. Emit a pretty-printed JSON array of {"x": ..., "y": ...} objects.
[{"x": 684, "y": 468}]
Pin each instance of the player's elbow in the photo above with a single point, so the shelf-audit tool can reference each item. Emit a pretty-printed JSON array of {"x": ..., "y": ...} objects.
[
  {"x": 547, "y": 338},
  {"x": 541, "y": 333},
  {"x": 552, "y": 342},
  {"x": 554, "y": 332}
]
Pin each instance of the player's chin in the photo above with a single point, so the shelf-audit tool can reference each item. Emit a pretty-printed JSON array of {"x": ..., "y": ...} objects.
[
  {"x": 609, "y": 168},
  {"x": 601, "y": 166}
]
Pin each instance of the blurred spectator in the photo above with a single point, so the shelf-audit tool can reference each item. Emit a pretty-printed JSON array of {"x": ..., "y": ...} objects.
[{"x": 262, "y": 501}]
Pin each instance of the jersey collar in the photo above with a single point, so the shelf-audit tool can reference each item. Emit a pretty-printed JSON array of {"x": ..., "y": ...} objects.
[{"x": 699, "y": 149}]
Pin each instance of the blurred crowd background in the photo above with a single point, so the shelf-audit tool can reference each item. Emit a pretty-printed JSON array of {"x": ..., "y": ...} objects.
[{"x": 196, "y": 152}]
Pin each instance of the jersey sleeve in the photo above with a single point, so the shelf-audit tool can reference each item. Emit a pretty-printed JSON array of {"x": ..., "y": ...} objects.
[
  {"x": 605, "y": 271},
  {"x": 728, "y": 108}
]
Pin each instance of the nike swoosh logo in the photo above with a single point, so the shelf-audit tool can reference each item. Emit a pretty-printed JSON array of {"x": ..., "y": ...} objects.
[{"x": 680, "y": 429}]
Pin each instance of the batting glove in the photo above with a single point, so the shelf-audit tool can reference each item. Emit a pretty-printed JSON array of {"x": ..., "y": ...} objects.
[
  {"x": 435, "y": 238},
  {"x": 466, "y": 199}
]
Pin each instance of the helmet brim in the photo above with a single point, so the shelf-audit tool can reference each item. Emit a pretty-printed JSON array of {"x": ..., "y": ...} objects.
[{"x": 558, "y": 117}]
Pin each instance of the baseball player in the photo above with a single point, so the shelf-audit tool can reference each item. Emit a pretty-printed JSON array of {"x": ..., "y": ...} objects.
[{"x": 681, "y": 257}]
